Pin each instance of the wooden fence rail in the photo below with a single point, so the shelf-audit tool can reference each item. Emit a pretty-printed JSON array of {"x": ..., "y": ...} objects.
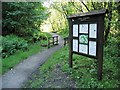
[
  {"x": 52, "y": 41},
  {"x": 65, "y": 41}
]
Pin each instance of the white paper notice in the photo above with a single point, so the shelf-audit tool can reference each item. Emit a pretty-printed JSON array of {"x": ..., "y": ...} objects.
[
  {"x": 75, "y": 45},
  {"x": 83, "y": 28},
  {"x": 92, "y": 48},
  {"x": 75, "y": 30},
  {"x": 93, "y": 31},
  {"x": 83, "y": 48}
]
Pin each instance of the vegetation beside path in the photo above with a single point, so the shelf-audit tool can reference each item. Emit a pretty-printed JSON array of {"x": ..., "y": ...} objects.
[
  {"x": 12, "y": 59},
  {"x": 25, "y": 21},
  {"x": 21, "y": 32},
  {"x": 83, "y": 73}
]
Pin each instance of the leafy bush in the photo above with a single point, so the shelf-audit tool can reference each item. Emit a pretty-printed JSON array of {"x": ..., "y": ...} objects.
[
  {"x": 45, "y": 36},
  {"x": 12, "y": 43},
  {"x": 35, "y": 35}
]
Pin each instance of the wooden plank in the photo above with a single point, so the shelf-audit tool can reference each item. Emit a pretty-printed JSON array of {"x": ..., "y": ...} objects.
[
  {"x": 100, "y": 46},
  {"x": 70, "y": 44},
  {"x": 91, "y": 13}
]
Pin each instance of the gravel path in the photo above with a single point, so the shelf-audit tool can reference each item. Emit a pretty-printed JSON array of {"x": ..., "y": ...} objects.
[{"x": 16, "y": 77}]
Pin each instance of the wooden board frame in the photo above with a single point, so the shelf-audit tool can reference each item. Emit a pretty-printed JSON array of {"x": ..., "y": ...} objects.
[{"x": 93, "y": 17}]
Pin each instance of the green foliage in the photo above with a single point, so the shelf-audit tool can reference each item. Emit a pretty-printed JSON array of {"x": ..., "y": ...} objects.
[
  {"x": 84, "y": 71},
  {"x": 64, "y": 9},
  {"x": 12, "y": 43},
  {"x": 45, "y": 36},
  {"x": 15, "y": 49},
  {"x": 41, "y": 36},
  {"x": 22, "y": 18},
  {"x": 64, "y": 32},
  {"x": 46, "y": 68},
  {"x": 9, "y": 62},
  {"x": 112, "y": 41}
]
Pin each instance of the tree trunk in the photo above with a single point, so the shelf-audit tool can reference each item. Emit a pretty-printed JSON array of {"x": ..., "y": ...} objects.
[
  {"x": 93, "y": 5},
  {"x": 51, "y": 25},
  {"x": 107, "y": 31}
]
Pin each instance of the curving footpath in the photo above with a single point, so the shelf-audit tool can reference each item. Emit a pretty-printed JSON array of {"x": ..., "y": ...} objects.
[{"x": 16, "y": 77}]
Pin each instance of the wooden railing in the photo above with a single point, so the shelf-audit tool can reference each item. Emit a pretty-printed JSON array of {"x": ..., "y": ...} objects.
[
  {"x": 52, "y": 41},
  {"x": 65, "y": 41}
]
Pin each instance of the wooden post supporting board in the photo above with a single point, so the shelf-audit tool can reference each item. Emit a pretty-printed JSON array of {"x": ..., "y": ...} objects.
[
  {"x": 100, "y": 48},
  {"x": 70, "y": 44}
]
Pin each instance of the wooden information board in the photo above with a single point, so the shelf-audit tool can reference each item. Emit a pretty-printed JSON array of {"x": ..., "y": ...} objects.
[{"x": 86, "y": 36}]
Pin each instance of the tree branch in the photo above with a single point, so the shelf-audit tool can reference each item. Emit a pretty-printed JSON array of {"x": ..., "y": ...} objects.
[
  {"x": 85, "y": 5},
  {"x": 93, "y": 5},
  {"x": 80, "y": 10},
  {"x": 107, "y": 31}
]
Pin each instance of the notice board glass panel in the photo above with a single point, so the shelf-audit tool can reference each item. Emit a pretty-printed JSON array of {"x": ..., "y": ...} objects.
[
  {"x": 75, "y": 30},
  {"x": 83, "y": 48},
  {"x": 83, "y": 28},
  {"x": 75, "y": 45},
  {"x": 92, "y": 48},
  {"x": 93, "y": 31}
]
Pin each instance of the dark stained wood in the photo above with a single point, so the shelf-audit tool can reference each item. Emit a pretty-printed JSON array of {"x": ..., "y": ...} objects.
[
  {"x": 91, "y": 13},
  {"x": 65, "y": 41},
  {"x": 100, "y": 45},
  {"x": 70, "y": 43},
  {"x": 88, "y": 37},
  {"x": 52, "y": 41}
]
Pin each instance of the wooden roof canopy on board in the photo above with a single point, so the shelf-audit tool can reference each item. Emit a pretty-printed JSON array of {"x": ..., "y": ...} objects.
[{"x": 91, "y": 13}]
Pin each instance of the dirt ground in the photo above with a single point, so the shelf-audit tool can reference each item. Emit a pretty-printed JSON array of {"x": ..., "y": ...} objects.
[{"x": 54, "y": 79}]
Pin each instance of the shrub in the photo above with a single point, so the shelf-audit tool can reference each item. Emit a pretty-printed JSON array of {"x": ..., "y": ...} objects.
[
  {"x": 12, "y": 43},
  {"x": 36, "y": 35}
]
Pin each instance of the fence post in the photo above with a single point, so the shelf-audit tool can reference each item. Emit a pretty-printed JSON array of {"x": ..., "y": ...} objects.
[
  {"x": 48, "y": 43},
  {"x": 57, "y": 40},
  {"x": 53, "y": 40},
  {"x": 64, "y": 41}
]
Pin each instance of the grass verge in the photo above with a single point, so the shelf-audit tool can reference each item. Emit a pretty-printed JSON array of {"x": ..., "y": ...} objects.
[
  {"x": 10, "y": 62},
  {"x": 44, "y": 71},
  {"x": 84, "y": 71}
]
